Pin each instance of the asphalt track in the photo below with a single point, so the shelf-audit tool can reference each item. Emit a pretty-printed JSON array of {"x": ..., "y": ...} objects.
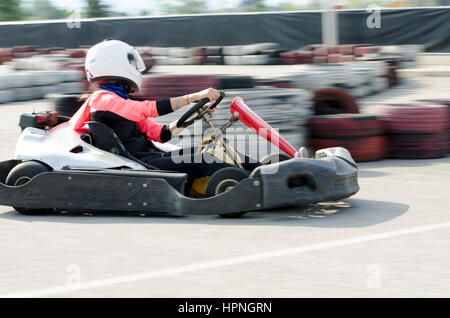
[{"x": 390, "y": 239}]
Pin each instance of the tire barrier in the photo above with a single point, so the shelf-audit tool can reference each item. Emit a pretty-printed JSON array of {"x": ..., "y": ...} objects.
[
  {"x": 441, "y": 102},
  {"x": 333, "y": 100},
  {"x": 251, "y": 49},
  {"x": 417, "y": 119},
  {"x": 359, "y": 78},
  {"x": 299, "y": 57},
  {"x": 252, "y": 54},
  {"x": 364, "y": 50},
  {"x": 359, "y": 69},
  {"x": 77, "y": 53},
  {"x": 209, "y": 51},
  {"x": 405, "y": 53},
  {"x": 275, "y": 83},
  {"x": 155, "y": 87},
  {"x": 417, "y": 131},
  {"x": 418, "y": 146},
  {"x": 249, "y": 60},
  {"x": 23, "y": 86},
  {"x": 394, "y": 57},
  {"x": 362, "y": 148},
  {"x": 362, "y": 135},
  {"x": 214, "y": 60},
  {"x": 346, "y": 125},
  {"x": 236, "y": 82}
]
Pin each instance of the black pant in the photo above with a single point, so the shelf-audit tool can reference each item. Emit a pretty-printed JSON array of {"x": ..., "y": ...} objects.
[{"x": 187, "y": 161}]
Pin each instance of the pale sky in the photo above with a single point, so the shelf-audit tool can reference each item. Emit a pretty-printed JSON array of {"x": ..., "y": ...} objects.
[{"x": 135, "y": 6}]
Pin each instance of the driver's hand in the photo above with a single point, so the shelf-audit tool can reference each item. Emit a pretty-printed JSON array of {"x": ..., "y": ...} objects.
[
  {"x": 211, "y": 93},
  {"x": 210, "y": 111}
]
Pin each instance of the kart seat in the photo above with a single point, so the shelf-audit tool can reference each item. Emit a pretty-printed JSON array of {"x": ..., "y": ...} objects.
[{"x": 106, "y": 139}]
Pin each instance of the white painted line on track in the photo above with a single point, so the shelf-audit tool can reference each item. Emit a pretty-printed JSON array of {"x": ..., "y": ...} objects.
[{"x": 220, "y": 263}]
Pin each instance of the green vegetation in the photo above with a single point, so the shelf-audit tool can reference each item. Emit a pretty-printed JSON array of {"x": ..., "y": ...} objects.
[{"x": 10, "y": 10}]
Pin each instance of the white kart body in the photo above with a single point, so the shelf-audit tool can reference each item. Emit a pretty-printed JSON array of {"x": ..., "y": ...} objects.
[{"x": 54, "y": 149}]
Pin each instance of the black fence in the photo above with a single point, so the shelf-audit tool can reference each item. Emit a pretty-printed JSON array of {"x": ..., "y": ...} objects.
[{"x": 292, "y": 30}]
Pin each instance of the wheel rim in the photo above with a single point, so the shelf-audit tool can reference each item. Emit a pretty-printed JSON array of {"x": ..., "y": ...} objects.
[
  {"x": 225, "y": 185},
  {"x": 22, "y": 181}
]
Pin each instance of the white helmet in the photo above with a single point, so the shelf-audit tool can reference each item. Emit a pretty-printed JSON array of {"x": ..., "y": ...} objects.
[{"x": 114, "y": 60}]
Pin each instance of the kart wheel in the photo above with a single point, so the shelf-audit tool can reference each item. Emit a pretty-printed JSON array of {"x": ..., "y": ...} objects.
[
  {"x": 274, "y": 158},
  {"x": 22, "y": 174},
  {"x": 224, "y": 180}
]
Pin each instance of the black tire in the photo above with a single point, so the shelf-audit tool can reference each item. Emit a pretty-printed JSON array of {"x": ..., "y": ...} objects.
[
  {"x": 222, "y": 181},
  {"x": 332, "y": 100},
  {"x": 23, "y": 173}
]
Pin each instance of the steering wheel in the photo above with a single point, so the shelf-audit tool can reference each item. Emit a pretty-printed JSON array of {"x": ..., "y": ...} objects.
[{"x": 183, "y": 122}]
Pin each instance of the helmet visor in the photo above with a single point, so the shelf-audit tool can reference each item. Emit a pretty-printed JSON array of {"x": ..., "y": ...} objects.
[{"x": 140, "y": 65}]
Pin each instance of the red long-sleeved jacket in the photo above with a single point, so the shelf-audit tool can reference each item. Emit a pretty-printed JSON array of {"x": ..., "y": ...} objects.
[{"x": 134, "y": 111}]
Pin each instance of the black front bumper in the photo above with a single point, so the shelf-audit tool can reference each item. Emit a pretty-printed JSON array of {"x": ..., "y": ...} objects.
[{"x": 304, "y": 181}]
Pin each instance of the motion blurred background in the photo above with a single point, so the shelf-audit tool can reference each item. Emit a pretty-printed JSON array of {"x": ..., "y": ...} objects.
[
  {"x": 346, "y": 73},
  {"x": 370, "y": 76}
]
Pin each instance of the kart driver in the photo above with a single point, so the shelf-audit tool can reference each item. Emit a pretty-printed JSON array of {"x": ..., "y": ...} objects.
[{"x": 116, "y": 68}]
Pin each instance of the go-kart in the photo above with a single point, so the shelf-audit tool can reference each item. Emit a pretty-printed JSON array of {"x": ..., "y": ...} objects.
[{"x": 57, "y": 168}]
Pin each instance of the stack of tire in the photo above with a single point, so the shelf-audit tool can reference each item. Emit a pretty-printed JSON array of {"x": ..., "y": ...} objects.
[
  {"x": 405, "y": 54},
  {"x": 210, "y": 55},
  {"x": 417, "y": 131},
  {"x": 183, "y": 56},
  {"x": 297, "y": 57},
  {"x": 252, "y": 54},
  {"x": 318, "y": 54},
  {"x": 446, "y": 103},
  {"x": 392, "y": 62},
  {"x": 362, "y": 135},
  {"x": 160, "y": 55},
  {"x": 23, "y": 86},
  {"x": 56, "y": 61},
  {"x": 9, "y": 54},
  {"x": 23, "y": 51},
  {"x": 360, "y": 78}
]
